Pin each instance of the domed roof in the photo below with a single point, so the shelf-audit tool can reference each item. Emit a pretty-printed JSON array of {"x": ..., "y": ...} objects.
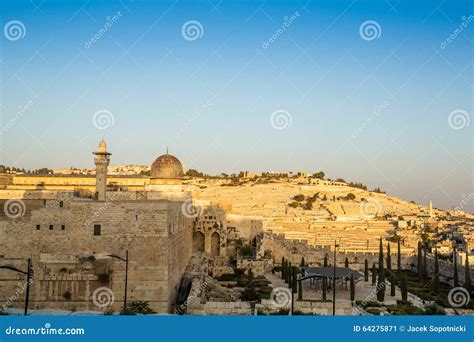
[{"x": 167, "y": 166}]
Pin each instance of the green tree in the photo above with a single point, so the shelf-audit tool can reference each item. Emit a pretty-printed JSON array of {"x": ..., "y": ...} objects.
[
  {"x": 399, "y": 257},
  {"x": 419, "y": 266},
  {"x": 374, "y": 274},
  {"x": 325, "y": 288},
  {"x": 346, "y": 262},
  {"x": 404, "y": 287},
  {"x": 455, "y": 262},
  {"x": 436, "y": 274},
  {"x": 325, "y": 260},
  {"x": 319, "y": 175},
  {"x": 300, "y": 290},
  {"x": 352, "y": 286},
  {"x": 389, "y": 258},
  {"x": 380, "y": 256},
  {"x": 289, "y": 273},
  {"x": 381, "y": 285},
  {"x": 283, "y": 261},
  {"x": 392, "y": 285},
  {"x": 425, "y": 265},
  {"x": 366, "y": 270},
  {"x": 294, "y": 281},
  {"x": 302, "y": 263},
  {"x": 467, "y": 275}
]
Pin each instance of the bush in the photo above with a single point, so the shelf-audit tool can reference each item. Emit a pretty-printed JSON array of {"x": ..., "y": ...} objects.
[
  {"x": 67, "y": 295},
  {"x": 138, "y": 308},
  {"x": 373, "y": 311},
  {"x": 434, "y": 309},
  {"x": 103, "y": 278},
  {"x": 299, "y": 198}
]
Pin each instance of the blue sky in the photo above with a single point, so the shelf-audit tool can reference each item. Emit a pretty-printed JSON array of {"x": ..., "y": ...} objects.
[{"x": 368, "y": 110}]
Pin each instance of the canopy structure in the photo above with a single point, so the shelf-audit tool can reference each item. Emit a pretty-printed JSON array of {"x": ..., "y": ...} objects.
[{"x": 328, "y": 272}]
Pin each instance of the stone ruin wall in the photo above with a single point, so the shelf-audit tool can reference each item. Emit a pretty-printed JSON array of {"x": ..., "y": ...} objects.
[{"x": 156, "y": 234}]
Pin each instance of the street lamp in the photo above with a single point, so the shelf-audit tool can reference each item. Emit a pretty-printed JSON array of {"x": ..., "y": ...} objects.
[
  {"x": 113, "y": 255},
  {"x": 28, "y": 280},
  {"x": 334, "y": 281}
]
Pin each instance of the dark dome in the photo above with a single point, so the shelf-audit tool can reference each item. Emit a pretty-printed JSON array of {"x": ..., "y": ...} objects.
[{"x": 167, "y": 166}]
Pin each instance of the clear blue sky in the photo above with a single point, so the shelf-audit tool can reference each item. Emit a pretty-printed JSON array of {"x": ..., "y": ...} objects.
[{"x": 319, "y": 69}]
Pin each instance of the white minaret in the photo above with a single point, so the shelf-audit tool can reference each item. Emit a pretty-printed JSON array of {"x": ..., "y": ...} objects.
[
  {"x": 101, "y": 160},
  {"x": 430, "y": 209}
]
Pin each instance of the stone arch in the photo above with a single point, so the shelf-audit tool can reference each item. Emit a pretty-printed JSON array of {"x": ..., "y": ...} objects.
[
  {"x": 198, "y": 242},
  {"x": 215, "y": 244}
]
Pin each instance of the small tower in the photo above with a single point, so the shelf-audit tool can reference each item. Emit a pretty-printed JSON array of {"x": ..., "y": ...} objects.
[
  {"x": 430, "y": 209},
  {"x": 101, "y": 160}
]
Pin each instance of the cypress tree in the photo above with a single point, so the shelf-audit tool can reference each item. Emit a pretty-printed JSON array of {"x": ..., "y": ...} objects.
[
  {"x": 366, "y": 270},
  {"x": 389, "y": 258},
  {"x": 300, "y": 290},
  {"x": 325, "y": 288},
  {"x": 325, "y": 260},
  {"x": 455, "y": 262},
  {"x": 425, "y": 265},
  {"x": 436, "y": 274},
  {"x": 381, "y": 286},
  {"x": 352, "y": 286},
  {"x": 346, "y": 262},
  {"x": 380, "y": 256},
  {"x": 374, "y": 274},
  {"x": 419, "y": 266},
  {"x": 283, "y": 261},
  {"x": 288, "y": 276},
  {"x": 404, "y": 287},
  {"x": 302, "y": 264},
  {"x": 294, "y": 281},
  {"x": 392, "y": 285},
  {"x": 399, "y": 257},
  {"x": 467, "y": 275}
]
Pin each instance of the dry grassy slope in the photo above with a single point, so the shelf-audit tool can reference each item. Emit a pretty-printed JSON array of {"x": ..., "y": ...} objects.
[{"x": 356, "y": 231}]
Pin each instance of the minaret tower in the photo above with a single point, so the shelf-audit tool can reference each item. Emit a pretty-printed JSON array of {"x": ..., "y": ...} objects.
[{"x": 101, "y": 160}]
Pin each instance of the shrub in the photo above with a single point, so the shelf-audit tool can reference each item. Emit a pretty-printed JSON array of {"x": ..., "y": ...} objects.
[
  {"x": 299, "y": 198},
  {"x": 103, "y": 278},
  {"x": 67, "y": 295},
  {"x": 138, "y": 308}
]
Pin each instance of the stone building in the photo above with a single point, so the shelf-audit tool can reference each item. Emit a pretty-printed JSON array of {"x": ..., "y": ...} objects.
[{"x": 70, "y": 237}]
